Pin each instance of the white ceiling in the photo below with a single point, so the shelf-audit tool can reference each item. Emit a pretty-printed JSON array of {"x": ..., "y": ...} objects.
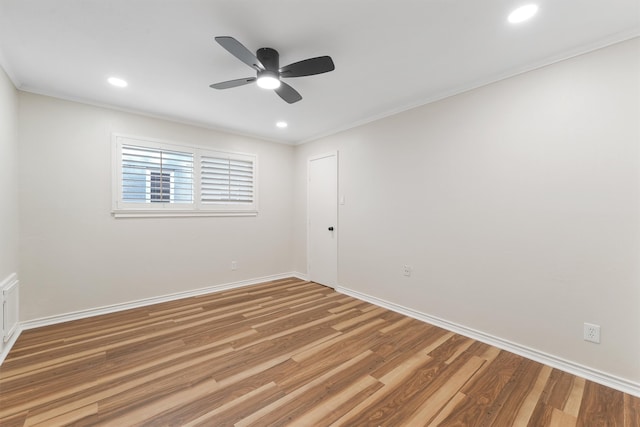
[{"x": 389, "y": 55}]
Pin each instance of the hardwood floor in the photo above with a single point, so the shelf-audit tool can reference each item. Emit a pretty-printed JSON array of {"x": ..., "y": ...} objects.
[{"x": 285, "y": 353}]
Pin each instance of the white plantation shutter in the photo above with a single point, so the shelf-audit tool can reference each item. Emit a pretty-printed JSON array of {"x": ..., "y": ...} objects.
[
  {"x": 154, "y": 178},
  {"x": 154, "y": 175},
  {"x": 226, "y": 180}
]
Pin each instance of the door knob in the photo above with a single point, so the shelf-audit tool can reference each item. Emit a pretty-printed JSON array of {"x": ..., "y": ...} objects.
[{"x": 330, "y": 228}]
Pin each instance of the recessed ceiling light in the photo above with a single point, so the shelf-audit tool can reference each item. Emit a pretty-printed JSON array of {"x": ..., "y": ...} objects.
[
  {"x": 282, "y": 125},
  {"x": 114, "y": 81},
  {"x": 522, "y": 13}
]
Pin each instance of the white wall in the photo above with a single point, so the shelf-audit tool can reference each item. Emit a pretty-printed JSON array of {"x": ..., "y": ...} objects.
[
  {"x": 8, "y": 180},
  {"x": 517, "y": 204},
  {"x": 74, "y": 255}
]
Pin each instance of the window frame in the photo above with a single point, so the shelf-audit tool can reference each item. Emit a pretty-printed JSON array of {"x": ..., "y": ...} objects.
[{"x": 124, "y": 209}]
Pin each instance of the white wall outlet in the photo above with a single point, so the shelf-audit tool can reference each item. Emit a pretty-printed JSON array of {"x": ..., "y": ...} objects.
[
  {"x": 234, "y": 265},
  {"x": 592, "y": 333},
  {"x": 406, "y": 270}
]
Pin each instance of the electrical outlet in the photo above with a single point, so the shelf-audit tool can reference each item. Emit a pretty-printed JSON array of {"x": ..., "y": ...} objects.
[
  {"x": 234, "y": 265},
  {"x": 592, "y": 333},
  {"x": 406, "y": 270}
]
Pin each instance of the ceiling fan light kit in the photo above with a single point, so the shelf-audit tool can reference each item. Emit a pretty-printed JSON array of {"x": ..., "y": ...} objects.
[
  {"x": 268, "y": 80},
  {"x": 269, "y": 75}
]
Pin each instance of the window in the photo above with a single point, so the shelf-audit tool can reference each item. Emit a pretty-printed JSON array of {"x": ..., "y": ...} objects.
[
  {"x": 154, "y": 175},
  {"x": 159, "y": 179}
]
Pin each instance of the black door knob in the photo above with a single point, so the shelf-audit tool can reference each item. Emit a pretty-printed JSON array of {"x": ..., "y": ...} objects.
[{"x": 330, "y": 228}]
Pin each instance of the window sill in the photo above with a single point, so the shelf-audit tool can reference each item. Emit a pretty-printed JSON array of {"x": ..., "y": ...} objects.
[{"x": 178, "y": 214}]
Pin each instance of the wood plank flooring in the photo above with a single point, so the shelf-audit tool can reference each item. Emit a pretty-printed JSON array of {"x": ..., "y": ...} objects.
[{"x": 286, "y": 352}]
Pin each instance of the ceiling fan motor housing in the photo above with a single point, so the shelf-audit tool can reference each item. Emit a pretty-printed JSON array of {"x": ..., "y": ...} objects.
[{"x": 269, "y": 58}]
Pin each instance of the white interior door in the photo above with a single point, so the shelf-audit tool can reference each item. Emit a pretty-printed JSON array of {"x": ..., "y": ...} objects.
[{"x": 322, "y": 253}]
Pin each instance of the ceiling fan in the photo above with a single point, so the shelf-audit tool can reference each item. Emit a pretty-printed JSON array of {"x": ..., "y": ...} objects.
[{"x": 269, "y": 72}]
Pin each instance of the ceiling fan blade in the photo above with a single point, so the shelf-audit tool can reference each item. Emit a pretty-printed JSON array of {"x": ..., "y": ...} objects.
[
  {"x": 238, "y": 50},
  {"x": 288, "y": 93},
  {"x": 308, "y": 67},
  {"x": 233, "y": 83}
]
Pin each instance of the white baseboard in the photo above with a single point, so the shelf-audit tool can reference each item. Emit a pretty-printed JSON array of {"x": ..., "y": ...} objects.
[
  {"x": 586, "y": 372},
  {"x": 82, "y": 314},
  {"x": 301, "y": 276}
]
